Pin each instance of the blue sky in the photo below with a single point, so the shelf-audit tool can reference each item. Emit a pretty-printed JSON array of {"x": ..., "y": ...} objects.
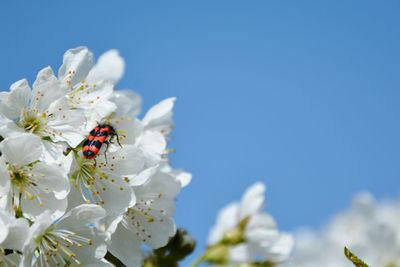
[{"x": 303, "y": 95}]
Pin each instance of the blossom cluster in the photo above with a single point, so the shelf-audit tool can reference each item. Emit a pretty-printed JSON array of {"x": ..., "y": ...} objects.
[
  {"x": 370, "y": 229},
  {"x": 59, "y": 208}
]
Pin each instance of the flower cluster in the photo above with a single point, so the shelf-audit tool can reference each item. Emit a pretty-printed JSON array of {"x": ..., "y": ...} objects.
[
  {"x": 244, "y": 235},
  {"x": 369, "y": 229},
  {"x": 59, "y": 207}
]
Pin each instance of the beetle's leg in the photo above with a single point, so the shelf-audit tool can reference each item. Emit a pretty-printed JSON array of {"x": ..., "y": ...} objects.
[
  {"x": 118, "y": 140},
  {"x": 115, "y": 134},
  {"x": 105, "y": 152}
]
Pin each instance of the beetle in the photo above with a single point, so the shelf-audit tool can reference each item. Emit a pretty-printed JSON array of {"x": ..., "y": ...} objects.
[{"x": 101, "y": 134}]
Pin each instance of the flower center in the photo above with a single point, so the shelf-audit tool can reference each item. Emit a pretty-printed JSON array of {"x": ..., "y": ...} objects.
[
  {"x": 55, "y": 245},
  {"x": 87, "y": 178},
  {"x": 24, "y": 184},
  {"x": 21, "y": 177},
  {"x": 32, "y": 122}
]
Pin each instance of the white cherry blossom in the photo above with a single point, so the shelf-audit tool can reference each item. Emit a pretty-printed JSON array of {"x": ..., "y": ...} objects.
[
  {"x": 251, "y": 234},
  {"x": 71, "y": 240},
  {"x": 150, "y": 220},
  {"x": 43, "y": 111},
  {"x": 29, "y": 185},
  {"x": 86, "y": 91},
  {"x": 105, "y": 180}
]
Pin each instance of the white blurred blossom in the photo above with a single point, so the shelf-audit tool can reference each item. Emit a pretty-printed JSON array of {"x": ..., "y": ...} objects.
[
  {"x": 368, "y": 228},
  {"x": 245, "y": 234}
]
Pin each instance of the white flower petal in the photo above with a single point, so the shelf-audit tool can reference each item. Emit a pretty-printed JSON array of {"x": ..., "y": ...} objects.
[
  {"x": 151, "y": 217},
  {"x": 4, "y": 179},
  {"x": 8, "y": 128},
  {"x": 183, "y": 177},
  {"x": 261, "y": 228},
  {"x": 252, "y": 200},
  {"x": 153, "y": 144},
  {"x": 22, "y": 149},
  {"x": 46, "y": 90},
  {"x": 128, "y": 129},
  {"x": 281, "y": 249},
  {"x": 66, "y": 125},
  {"x": 143, "y": 176},
  {"x": 158, "y": 118},
  {"x": 53, "y": 153},
  {"x": 110, "y": 66},
  {"x": 125, "y": 161},
  {"x": 97, "y": 113},
  {"x": 87, "y": 96},
  {"x": 42, "y": 222},
  {"x": 115, "y": 187},
  {"x": 4, "y": 218},
  {"x": 74, "y": 198},
  {"x": 32, "y": 208},
  {"x": 6, "y": 202},
  {"x": 89, "y": 254},
  {"x": 85, "y": 214},
  {"x": 227, "y": 219},
  {"x": 242, "y": 253},
  {"x": 110, "y": 224},
  {"x": 76, "y": 65},
  {"x": 125, "y": 245},
  {"x": 52, "y": 178},
  {"x": 16, "y": 229},
  {"x": 13, "y": 102},
  {"x": 128, "y": 103}
]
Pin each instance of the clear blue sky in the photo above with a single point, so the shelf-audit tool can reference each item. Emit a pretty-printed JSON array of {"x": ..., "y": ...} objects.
[{"x": 303, "y": 95}]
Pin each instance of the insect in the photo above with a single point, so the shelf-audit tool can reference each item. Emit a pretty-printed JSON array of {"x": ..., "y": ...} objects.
[{"x": 101, "y": 134}]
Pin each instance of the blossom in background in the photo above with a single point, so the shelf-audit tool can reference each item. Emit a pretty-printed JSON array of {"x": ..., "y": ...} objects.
[
  {"x": 244, "y": 234},
  {"x": 369, "y": 229}
]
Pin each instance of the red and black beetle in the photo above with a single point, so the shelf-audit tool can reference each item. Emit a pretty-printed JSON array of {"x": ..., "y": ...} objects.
[{"x": 101, "y": 134}]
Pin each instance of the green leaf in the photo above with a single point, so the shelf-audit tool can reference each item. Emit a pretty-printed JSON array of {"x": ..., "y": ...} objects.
[
  {"x": 354, "y": 259},
  {"x": 179, "y": 247}
]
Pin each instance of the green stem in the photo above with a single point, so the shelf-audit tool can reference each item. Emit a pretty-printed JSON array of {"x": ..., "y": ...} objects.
[{"x": 198, "y": 261}]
